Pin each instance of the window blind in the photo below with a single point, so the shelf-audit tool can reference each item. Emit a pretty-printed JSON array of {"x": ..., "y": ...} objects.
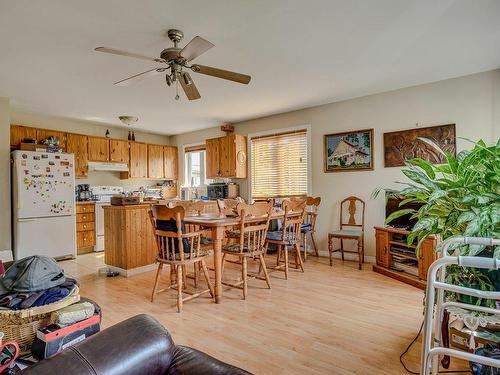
[{"x": 279, "y": 165}]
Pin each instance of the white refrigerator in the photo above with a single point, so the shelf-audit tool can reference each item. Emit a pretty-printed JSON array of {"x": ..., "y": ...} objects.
[{"x": 43, "y": 204}]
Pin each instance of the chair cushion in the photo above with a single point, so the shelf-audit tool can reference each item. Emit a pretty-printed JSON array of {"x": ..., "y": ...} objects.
[
  {"x": 206, "y": 241},
  {"x": 233, "y": 233},
  {"x": 201, "y": 253},
  {"x": 234, "y": 248},
  {"x": 347, "y": 233},
  {"x": 278, "y": 236},
  {"x": 304, "y": 228}
]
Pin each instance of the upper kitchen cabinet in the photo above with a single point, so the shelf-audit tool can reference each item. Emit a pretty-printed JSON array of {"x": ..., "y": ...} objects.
[
  {"x": 212, "y": 150},
  {"x": 155, "y": 161},
  {"x": 138, "y": 165},
  {"x": 118, "y": 151},
  {"x": 171, "y": 162},
  {"x": 77, "y": 144},
  {"x": 98, "y": 149},
  {"x": 19, "y": 133},
  {"x": 226, "y": 157},
  {"x": 42, "y": 134}
]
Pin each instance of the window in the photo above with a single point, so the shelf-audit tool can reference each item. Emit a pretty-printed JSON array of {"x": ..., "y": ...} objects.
[
  {"x": 195, "y": 166},
  {"x": 279, "y": 165}
]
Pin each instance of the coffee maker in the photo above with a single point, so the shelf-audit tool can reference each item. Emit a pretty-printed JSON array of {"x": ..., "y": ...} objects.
[{"x": 82, "y": 192}]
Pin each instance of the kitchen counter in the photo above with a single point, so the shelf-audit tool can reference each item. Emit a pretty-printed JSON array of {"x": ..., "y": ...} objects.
[{"x": 129, "y": 240}]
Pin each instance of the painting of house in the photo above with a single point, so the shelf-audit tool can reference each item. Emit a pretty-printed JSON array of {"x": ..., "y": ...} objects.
[{"x": 349, "y": 151}]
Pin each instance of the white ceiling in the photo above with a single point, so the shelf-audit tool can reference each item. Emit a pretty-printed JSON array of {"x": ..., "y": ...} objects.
[{"x": 299, "y": 53}]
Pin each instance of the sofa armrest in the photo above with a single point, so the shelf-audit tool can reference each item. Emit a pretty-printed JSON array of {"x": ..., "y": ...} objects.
[
  {"x": 191, "y": 361},
  {"x": 136, "y": 346}
]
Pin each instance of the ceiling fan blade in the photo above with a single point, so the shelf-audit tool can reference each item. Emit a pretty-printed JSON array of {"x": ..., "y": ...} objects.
[
  {"x": 195, "y": 48},
  {"x": 221, "y": 73},
  {"x": 128, "y": 54},
  {"x": 188, "y": 86},
  {"x": 140, "y": 76}
]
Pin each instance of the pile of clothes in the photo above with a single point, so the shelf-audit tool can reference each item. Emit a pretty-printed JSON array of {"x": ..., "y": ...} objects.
[{"x": 34, "y": 281}]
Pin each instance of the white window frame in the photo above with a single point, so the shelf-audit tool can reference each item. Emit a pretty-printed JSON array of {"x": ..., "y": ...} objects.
[
  {"x": 203, "y": 167},
  {"x": 278, "y": 131}
]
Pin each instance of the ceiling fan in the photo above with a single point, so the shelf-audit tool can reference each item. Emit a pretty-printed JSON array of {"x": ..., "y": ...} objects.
[{"x": 177, "y": 60}]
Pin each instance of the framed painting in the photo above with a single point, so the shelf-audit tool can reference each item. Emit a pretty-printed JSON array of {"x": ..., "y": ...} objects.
[
  {"x": 404, "y": 145},
  {"x": 349, "y": 151}
]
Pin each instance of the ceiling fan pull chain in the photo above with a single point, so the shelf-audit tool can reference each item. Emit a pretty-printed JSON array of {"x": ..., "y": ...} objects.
[{"x": 176, "y": 89}]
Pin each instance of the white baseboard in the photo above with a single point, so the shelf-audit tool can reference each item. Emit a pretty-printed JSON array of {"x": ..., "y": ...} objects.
[
  {"x": 347, "y": 256},
  {"x": 132, "y": 271}
]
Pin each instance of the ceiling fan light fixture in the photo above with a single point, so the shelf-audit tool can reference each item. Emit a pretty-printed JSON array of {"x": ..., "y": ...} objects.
[
  {"x": 187, "y": 78},
  {"x": 168, "y": 80}
]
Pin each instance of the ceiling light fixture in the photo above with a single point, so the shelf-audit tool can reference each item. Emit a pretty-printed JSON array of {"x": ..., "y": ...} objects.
[{"x": 128, "y": 120}]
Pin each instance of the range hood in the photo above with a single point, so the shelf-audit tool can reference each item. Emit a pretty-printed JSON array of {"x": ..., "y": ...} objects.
[{"x": 104, "y": 166}]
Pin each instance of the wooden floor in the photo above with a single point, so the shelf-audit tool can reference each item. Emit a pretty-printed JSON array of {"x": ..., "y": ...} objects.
[{"x": 326, "y": 321}]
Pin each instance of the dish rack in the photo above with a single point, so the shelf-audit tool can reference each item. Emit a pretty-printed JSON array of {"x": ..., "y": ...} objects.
[{"x": 436, "y": 287}]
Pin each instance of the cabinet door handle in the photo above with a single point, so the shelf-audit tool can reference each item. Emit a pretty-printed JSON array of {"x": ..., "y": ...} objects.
[{"x": 84, "y": 226}]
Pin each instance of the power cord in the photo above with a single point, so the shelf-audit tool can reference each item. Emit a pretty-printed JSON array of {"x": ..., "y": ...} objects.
[{"x": 418, "y": 373}]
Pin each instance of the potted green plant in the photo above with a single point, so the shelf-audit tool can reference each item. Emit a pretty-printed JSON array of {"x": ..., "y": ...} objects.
[{"x": 459, "y": 198}]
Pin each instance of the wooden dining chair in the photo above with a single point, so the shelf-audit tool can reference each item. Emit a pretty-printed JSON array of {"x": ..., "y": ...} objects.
[
  {"x": 350, "y": 229},
  {"x": 309, "y": 225},
  {"x": 228, "y": 206},
  {"x": 288, "y": 237},
  {"x": 196, "y": 209},
  {"x": 178, "y": 249},
  {"x": 254, "y": 221}
]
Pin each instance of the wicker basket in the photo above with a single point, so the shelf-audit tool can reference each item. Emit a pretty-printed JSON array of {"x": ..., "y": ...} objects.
[{"x": 21, "y": 325}]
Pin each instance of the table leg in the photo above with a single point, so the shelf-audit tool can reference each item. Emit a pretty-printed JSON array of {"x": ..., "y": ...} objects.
[{"x": 217, "y": 236}]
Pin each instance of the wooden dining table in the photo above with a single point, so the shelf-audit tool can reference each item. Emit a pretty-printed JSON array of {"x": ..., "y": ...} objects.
[{"x": 217, "y": 224}]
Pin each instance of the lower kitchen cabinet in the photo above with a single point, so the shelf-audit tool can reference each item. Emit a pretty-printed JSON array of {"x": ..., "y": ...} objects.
[{"x": 85, "y": 227}]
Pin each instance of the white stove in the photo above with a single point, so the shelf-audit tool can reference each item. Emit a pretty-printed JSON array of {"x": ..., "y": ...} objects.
[{"x": 102, "y": 196}]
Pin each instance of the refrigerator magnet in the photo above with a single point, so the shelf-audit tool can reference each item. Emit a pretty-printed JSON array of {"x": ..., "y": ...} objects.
[
  {"x": 57, "y": 157},
  {"x": 66, "y": 174},
  {"x": 23, "y": 163},
  {"x": 47, "y": 169},
  {"x": 45, "y": 156},
  {"x": 24, "y": 156},
  {"x": 35, "y": 157}
]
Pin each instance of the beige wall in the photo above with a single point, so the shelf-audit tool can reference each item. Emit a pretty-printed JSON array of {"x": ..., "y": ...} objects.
[
  {"x": 91, "y": 128},
  {"x": 5, "y": 233},
  {"x": 471, "y": 102}
]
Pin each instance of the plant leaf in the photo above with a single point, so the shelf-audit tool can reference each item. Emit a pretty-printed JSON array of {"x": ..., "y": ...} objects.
[
  {"x": 465, "y": 217},
  {"x": 398, "y": 213}
]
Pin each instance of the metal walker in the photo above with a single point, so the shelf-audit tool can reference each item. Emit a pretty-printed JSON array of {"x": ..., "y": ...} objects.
[{"x": 436, "y": 281}]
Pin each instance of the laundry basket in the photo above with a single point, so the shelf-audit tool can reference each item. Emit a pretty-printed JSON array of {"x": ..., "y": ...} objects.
[{"x": 21, "y": 325}]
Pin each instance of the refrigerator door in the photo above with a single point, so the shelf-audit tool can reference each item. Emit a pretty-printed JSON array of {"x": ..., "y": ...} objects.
[
  {"x": 44, "y": 184},
  {"x": 50, "y": 236}
]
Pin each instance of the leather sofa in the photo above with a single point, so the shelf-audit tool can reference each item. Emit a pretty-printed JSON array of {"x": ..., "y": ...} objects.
[{"x": 137, "y": 346}]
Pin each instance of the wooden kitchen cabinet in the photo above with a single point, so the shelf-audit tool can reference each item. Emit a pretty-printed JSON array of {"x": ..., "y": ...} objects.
[
  {"x": 98, "y": 149},
  {"x": 212, "y": 153},
  {"x": 226, "y": 157},
  {"x": 170, "y": 163},
  {"x": 42, "y": 134},
  {"x": 118, "y": 151},
  {"x": 155, "y": 161},
  {"x": 85, "y": 227},
  {"x": 138, "y": 165},
  {"x": 77, "y": 144},
  {"x": 19, "y": 133}
]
